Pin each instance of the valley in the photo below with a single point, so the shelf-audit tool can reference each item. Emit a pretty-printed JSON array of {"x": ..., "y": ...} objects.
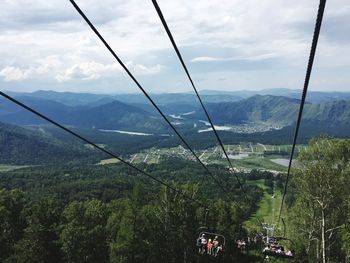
[
  {"x": 256, "y": 129},
  {"x": 174, "y": 131},
  {"x": 41, "y": 162},
  {"x": 130, "y": 113}
]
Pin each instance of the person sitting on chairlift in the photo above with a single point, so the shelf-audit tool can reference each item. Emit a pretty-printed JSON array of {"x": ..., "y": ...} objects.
[
  {"x": 267, "y": 249},
  {"x": 219, "y": 250},
  {"x": 203, "y": 244},
  {"x": 199, "y": 244},
  {"x": 216, "y": 246},
  {"x": 210, "y": 246}
]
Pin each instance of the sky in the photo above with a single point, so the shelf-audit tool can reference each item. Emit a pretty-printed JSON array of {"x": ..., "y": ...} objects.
[{"x": 227, "y": 45}]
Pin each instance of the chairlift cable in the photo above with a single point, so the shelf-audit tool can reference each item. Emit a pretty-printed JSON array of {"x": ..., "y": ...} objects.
[
  {"x": 99, "y": 148},
  {"x": 316, "y": 34},
  {"x": 145, "y": 93},
  {"x": 165, "y": 25}
]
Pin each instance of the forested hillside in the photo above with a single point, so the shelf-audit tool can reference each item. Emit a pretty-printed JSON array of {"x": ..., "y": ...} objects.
[
  {"x": 112, "y": 115},
  {"x": 279, "y": 110},
  {"x": 112, "y": 214},
  {"x": 91, "y": 213},
  {"x": 23, "y": 146}
]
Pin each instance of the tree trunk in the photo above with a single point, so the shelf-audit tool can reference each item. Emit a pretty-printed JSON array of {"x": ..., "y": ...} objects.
[
  {"x": 133, "y": 239},
  {"x": 323, "y": 238}
]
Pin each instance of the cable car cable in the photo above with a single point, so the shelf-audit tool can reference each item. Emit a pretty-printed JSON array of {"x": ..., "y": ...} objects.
[
  {"x": 165, "y": 25},
  {"x": 144, "y": 92},
  {"x": 316, "y": 34},
  {"x": 99, "y": 148}
]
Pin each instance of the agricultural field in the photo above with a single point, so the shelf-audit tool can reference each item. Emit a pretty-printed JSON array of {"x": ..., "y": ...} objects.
[{"x": 109, "y": 161}]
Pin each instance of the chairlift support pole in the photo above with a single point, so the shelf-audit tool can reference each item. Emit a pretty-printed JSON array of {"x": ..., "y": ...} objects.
[
  {"x": 205, "y": 216},
  {"x": 269, "y": 231},
  {"x": 284, "y": 227}
]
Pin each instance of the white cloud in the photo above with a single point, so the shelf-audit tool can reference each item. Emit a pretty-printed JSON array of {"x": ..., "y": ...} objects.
[
  {"x": 93, "y": 70},
  {"x": 40, "y": 67},
  {"x": 88, "y": 71},
  {"x": 139, "y": 69},
  {"x": 14, "y": 73},
  {"x": 48, "y": 40},
  {"x": 207, "y": 59},
  {"x": 251, "y": 58}
]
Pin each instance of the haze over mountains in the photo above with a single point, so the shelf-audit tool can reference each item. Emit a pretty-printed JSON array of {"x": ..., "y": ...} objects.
[
  {"x": 132, "y": 112},
  {"x": 78, "y": 99}
]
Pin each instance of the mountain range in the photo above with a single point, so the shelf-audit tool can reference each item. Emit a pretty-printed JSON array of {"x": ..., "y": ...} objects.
[
  {"x": 277, "y": 110},
  {"x": 208, "y": 96},
  {"x": 112, "y": 115},
  {"x": 26, "y": 139},
  {"x": 135, "y": 114}
]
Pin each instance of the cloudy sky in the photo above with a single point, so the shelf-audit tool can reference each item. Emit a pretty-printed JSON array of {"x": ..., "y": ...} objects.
[{"x": 227, "y": 45}]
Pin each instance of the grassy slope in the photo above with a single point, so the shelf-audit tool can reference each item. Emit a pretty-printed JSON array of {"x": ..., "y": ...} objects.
[{"x": 268, "y": 207}]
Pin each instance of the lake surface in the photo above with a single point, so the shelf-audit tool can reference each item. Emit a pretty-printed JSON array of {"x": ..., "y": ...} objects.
[
  {"x": 174, "y": 116},
  {"x": 179, "y": 116},
  {"x": 217, "y": 127},
  {"x": 136, "y": 133},
  {"x": 188, "y": 113},
  {"x": 128, "y": 132}
]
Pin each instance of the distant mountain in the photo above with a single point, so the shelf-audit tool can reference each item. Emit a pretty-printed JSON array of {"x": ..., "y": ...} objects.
[
  {"x": 188, "y": 98},
  {"x": 176, "y": 103},
  {"x": 277, "y": 110},
  {"x": 274, "y": 109},
  {"x": 134, "y": 113},
  {"x": 113, "y": 115},
  {"x": 23, "y": 146},
  {"x": 116, "y": 115},
  {"x": 312, "y": 96},
  {"x": 332, "y": 112},
  {"x": 11, "y": 113},
  {"x": 67, "y": 98},
  {"x": 88, "y": 99}
]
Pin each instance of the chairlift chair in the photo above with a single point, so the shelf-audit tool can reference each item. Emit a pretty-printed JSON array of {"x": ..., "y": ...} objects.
[
  {"x": 278, "y": 250},
  {"x": 217, "y": 250}
]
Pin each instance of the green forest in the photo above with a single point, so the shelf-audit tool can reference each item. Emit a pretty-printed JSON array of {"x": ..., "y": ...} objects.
[{"x": 88, "y": 213}]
